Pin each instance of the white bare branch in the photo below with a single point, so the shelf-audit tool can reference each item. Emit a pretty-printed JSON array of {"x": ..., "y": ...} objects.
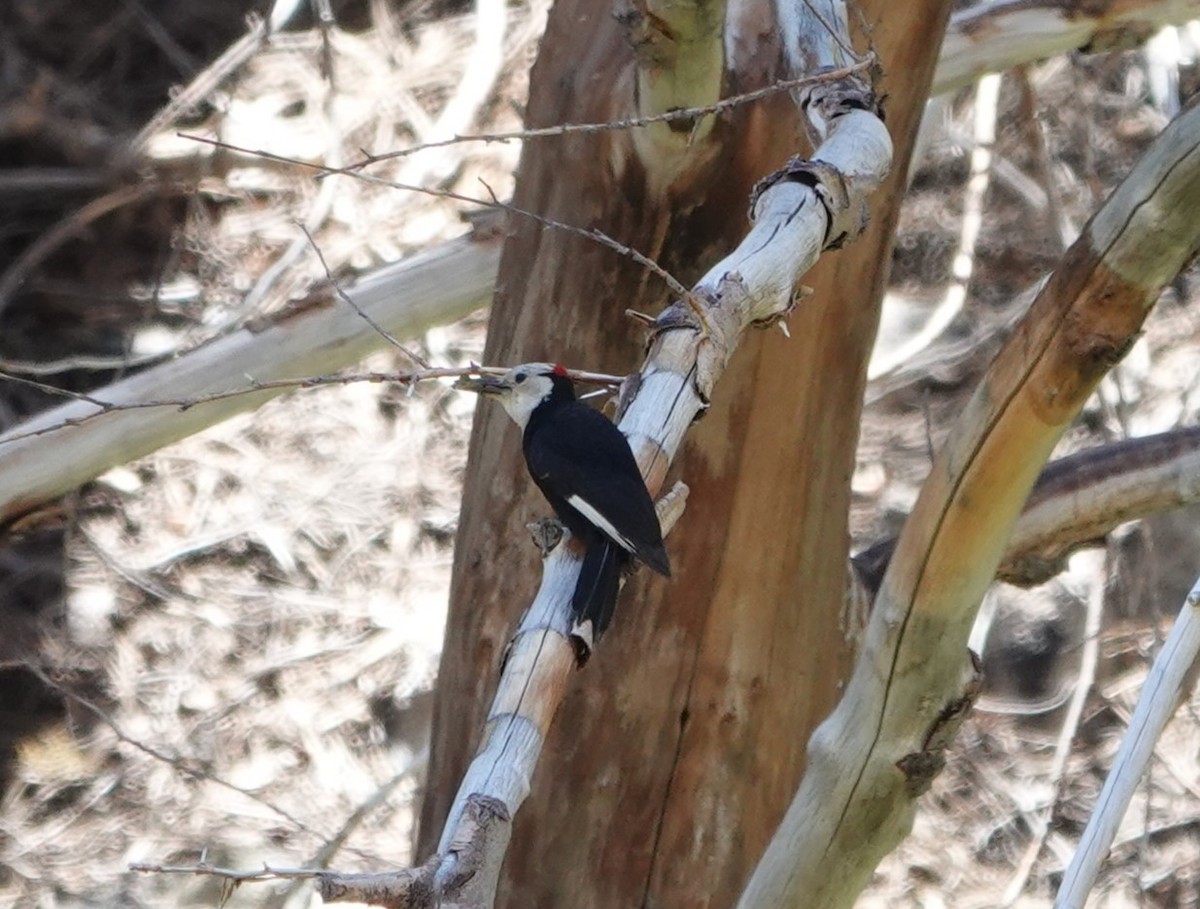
[
  {"x": 1002, "y": 34},
  {"x": 1157, "y": 704},
  {"x": 798, "y": 212},
  {"x": 320, "y": 336}
]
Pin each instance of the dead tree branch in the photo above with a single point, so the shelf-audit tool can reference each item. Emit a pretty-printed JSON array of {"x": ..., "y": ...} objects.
[
  {"x": 798, "y": 212},
  {"x": 316, "y": 336},
  {"x": 1004, "y": 33},
  {"x": 1158, "y": 702},
  {"x": 1080, "y": 498},
  {"x": 884, "y": 744}
]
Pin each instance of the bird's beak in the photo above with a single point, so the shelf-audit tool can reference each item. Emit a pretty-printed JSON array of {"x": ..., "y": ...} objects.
[{"x": 484, "y": 385}]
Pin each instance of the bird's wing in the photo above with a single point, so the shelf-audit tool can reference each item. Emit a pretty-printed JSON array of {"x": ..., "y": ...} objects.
[{"x": 586, "y": 460}]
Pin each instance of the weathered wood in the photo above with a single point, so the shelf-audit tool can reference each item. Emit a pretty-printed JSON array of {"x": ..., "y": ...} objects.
[
  {"x": 1080, "y": 498},
  {"x": 675, "y": 751},
  {"x": 322, "y": 335},
  {"x": 912, "y": 684},
  {"x": 995, "y": 36}
]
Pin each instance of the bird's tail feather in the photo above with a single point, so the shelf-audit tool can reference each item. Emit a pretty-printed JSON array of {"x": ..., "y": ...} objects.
[{"x": 595, "y": 597}]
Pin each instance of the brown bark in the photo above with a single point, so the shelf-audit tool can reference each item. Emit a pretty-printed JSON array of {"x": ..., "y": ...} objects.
[{"x": 681, "y": 743}]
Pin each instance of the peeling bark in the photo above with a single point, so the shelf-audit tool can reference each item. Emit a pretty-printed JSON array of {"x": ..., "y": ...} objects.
[{"x": 673, "y": 728}]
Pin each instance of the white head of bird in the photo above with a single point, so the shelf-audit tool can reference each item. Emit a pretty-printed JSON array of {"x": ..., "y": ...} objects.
[{"x": 521, "y": 389}]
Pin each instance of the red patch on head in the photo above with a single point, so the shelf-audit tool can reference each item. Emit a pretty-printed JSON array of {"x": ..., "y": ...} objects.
[{"x": 560, "y": 370}]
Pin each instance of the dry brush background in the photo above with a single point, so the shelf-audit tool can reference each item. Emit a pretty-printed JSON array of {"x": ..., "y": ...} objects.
[{"x": 230, "y": 645}]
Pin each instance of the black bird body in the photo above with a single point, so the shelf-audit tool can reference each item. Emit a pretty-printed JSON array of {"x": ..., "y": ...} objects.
[{"x": 584, "y": 467}]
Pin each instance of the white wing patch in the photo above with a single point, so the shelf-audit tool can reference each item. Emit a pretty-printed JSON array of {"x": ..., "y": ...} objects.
[{"x": 600, "y": 521}]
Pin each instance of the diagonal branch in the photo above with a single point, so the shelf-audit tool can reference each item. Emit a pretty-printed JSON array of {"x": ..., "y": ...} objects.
[
  {"x": 319, "y": 335},
  {"x": 1080, "y": 498},
  {"x": 882, "y": 746},
  {"x": 1167, "y": 682},
  {"x": 797, "y": 212},
  {"x": 990, "y": 37}
]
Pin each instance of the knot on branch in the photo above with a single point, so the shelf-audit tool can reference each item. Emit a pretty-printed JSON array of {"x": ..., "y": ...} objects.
[
  {"x": 921, "y": 767},
  {"x": 780, "y": 316},
  {"x": 824, "y": 102},
  {"x": 464, "y": 876},
  {"x": 845, "y": 212},
  {"x": 477, "y": 847},
  {"x": 713, "y": 317}
]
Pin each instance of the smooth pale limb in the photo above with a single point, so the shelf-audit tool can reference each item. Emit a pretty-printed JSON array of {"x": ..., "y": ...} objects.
[{"x": 1159, "y": 699}]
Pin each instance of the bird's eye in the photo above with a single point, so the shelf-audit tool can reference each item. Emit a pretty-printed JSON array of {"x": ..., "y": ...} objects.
[{"x": 520, "y": 377}]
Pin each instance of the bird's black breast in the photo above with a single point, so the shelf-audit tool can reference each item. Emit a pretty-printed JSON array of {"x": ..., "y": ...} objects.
[{"x": 573, "y": 450}]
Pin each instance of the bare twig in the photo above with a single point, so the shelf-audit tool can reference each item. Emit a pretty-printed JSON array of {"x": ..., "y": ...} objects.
[
  {"x": 468, "y": 883},
  {"x": 179, "y": 762},
  {"x": 598, "y": 236},
  {"x": 402, "y": 378},
  {"x": 363, "y": 314},
  {"x": 566, "y": 129},
  {"x": 203, "y": 868}
]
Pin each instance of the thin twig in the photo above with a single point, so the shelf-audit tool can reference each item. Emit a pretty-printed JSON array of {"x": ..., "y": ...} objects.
[
  {"x": 598, "y": 236},
  {"x": 266, "y": 873},
  {"x": 593, "y": 234},
  {"x": 403, "y": 378},
  {"x": 346, "y": 298},
  {"x": 565, "y": 129},
  {"x": 178, "y": 762}
]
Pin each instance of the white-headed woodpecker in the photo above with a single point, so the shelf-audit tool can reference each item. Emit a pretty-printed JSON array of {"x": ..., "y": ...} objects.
[{"x": 584, "y": 467}]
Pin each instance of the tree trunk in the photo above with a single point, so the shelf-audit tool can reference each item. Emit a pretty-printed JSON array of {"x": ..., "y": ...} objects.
[{"x": 680, "y": 745}]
